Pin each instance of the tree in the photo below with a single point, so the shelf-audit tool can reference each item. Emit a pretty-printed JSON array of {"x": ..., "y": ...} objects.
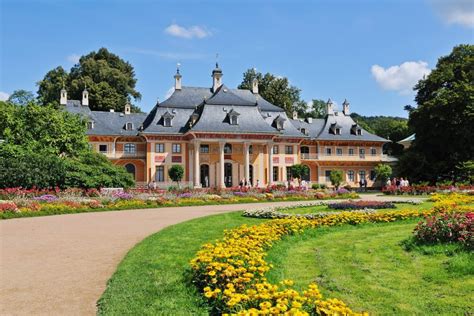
[
  {"x": 299, "y": 171},
  {"x": 444, "y": 119},
  {"x": 109, "y": 79},
  {"x": 383, "y": 172},
  {"x": 176, "y": 173},
  {"x": 43, "y": 128},
  {"x": 336, "y": 177},
  {"x": 47, "y": 147},
  {"x": 317, "y": 109},
  {"x": 21, "y": 97},
  {"x": 275, "y": 89},
  {"x": 390, "y": 127}
]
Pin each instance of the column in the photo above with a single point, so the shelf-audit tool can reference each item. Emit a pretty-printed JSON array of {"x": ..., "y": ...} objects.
[
  {"x": 221, "y": 182},
  {"x": 270, "y": 163},
  {"x": 197, "y": 167},
  {"x": 246, "y": 161}
]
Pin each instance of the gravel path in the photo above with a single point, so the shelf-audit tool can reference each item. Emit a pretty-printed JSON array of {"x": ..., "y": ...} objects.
[{"x": 59, "y": 265}]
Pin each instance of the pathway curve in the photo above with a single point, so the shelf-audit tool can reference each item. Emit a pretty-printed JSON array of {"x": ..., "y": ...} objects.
[{"x": 59, "y": 265}]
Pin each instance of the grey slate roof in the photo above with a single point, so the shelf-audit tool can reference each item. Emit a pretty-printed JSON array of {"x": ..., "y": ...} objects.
[
  {"x": 113, "y": 123},
  {"x": 187, "y": 98},
  {"x": 288, "y": 130},
  {"x": 214, "y": 118},
  {"x": 345, "y": 123},
  {"x": 153, "y": 124},
  {"x": 75, "y": 106}
]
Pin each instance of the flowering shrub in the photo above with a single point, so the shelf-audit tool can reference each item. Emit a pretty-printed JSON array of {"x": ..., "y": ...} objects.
[
  {"x": 231, "y": 271},
  {"x": 447, "y": 227},
  {"x": 424, "y": 189},
  {"x": 7, "y": 206},
  {"x": 46, "y": 198},
  {"x": 355, "y": 205},
  {"x": 123, "y": 195}
]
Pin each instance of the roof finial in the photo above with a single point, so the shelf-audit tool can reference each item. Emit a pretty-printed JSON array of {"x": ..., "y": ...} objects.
[
  {"x": 177, "y": 67},
  {"x": 217, "y": 60},
  {"x": 85, "y": 86}
]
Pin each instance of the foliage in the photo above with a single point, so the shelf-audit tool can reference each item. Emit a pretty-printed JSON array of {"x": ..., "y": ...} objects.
[
  {"x": 109, "y": 79},
  {"x": 21, "y": 97},
  {"x": 276, "y": 90},
  {"x": 317, "y": 109},
  {"x": 176, "y": 173},
  {"x": 444, "y": 120},
  {"x": 44, "y": 147},
  {"x": 390, "y": 127},
  {"x": 383, "y": 172},
  {"x": 231, "y": 272},
  {"x": 358, "y": 205},
  {"x": 336, "y": 177},
  {"x": 299, "y": 171},
  {"x": 418, "y": 189},
  {"x": 318, "y": 186},
  {"x": 447, "y": 227},
  {"x": 44, "y": 129}
]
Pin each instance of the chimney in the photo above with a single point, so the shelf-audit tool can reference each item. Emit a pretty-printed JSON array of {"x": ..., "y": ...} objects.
[
  {"x": 345, "y": 107},
  {"x": 255, "y": 86},
  {"x": 85, "y": 97},
  {"x": 112, "y": 110},
  {"x": 295, "y": 115},
  {"x": 63, "y": 98},
  {"x": 329, "y": 108},
  {"x": 128, "y": 108},
  {"x": 177, "y": 78},
  {"x": 216, "y": 78}
]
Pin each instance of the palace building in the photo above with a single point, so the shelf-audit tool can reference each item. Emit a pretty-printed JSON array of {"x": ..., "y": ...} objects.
[{"x": 221, "y": 136}]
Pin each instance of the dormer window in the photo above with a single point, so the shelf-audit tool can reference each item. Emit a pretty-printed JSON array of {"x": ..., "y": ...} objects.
[
  {"x": 90, "y": 125},
  {"x": 359, "y": 131},
  {"x": 303, "y": 130},
  {"x": 279, "y": 122},
  {"x": 356, "y": 130},
  {"x": 335, "y": 129},
  {"x": 168, "y": 119},
  {"x": 233, "y": 117},
  {"x": 129, "y": 126},
  {"x": 338, "y": 131}
]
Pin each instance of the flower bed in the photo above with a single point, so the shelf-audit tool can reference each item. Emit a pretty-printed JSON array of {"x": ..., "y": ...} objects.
[
  {"x": 446, "y": 228},
  {"x": 425, "y": 189},
  {"x": 275, "y": 212},
  {"x": 47, "y": 202},
  {"x": 231, "y": 272},
  {"x": 357, "y": 205}
]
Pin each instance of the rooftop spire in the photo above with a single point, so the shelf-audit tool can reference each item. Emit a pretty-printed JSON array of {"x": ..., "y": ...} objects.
[{"x": 177, "y": 78}]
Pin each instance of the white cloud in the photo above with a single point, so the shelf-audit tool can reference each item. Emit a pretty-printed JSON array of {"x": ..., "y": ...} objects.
[
  {"x": 169, "y": 92},
  {"x": 455, "y": 11},
  {"x": 74, "y": 58},
  {"x": 4, "y": 96},
  {"x": 190, "y": 32},
  {"x": 402, "y": 77}
]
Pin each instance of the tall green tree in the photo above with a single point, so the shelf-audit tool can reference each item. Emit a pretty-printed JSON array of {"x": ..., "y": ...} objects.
[
  {"x": 317, "y": 109},
  {"x": 336, "y": 177},
  {"x": 444, "y": 119},
  {"x": 109, "y": 79},
  {"x": 390, "y": 127},
  {"x": 275, "y": 89},
  {"x": 47, "y": 147},
  {"x": 21, "y": 97}
]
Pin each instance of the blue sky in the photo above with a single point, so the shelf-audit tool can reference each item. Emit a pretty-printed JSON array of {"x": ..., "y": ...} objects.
[{"x": 370, "y": 52}]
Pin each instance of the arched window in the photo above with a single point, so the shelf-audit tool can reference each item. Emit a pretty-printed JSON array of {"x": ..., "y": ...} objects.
[
  {"x": 227, "y": 149},
  {"x": 130, "y": 169}
]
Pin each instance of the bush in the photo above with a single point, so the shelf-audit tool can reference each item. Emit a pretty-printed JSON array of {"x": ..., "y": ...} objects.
[
  {"x": 357, "y": 205},
  {"x": 176, "y": 173},
  {"x": 318, "y": 186},
  {"x": 447, "y": 227},
  {"x": 336, "y": 177}
]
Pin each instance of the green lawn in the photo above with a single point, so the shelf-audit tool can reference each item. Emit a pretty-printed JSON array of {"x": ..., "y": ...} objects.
[
  {"x": 368, "y": 268},
  {"x": 324, "y": 208},
  {"x": 152, "y": 279}
]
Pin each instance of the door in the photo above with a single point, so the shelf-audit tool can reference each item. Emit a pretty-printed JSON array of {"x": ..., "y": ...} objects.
[
  {"x": 250, "y": 175},
  {"x": 204, "y": 176},
  {"x": 228, "y": 174}
]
